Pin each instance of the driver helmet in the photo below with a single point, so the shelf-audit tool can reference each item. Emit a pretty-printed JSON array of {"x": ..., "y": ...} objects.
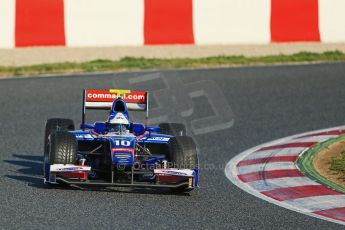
[{"x": 118, "y": 124}]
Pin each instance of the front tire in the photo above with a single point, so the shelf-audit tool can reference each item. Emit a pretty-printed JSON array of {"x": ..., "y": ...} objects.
[
  {"x": 183, "y": 155},
  {"x": 62, "y": 148},
  {"x": 53, "y": 125}
]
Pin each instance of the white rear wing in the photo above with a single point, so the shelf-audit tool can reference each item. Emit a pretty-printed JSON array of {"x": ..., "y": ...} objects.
[{"x": 102, "y": 99}]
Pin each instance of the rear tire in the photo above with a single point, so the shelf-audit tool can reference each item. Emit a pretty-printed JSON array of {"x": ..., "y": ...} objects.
[
  {"x": 183, "y": 155},
  {"x": 173, "y": 129}
]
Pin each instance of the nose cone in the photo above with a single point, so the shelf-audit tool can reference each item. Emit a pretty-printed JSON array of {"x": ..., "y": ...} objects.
[{"x": 123, "y": 150}]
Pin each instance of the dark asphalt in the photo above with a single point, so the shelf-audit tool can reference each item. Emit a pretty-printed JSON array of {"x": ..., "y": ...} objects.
[{"x": 267, "y": 103}]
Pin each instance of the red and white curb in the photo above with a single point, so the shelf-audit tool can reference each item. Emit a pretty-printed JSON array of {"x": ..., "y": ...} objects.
[
  {"x": 269, "y": 172},
  {"x": 94, "y": 23}
]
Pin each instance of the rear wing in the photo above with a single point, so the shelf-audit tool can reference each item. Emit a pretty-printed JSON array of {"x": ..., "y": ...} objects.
[{"x": 102, "y": 99}]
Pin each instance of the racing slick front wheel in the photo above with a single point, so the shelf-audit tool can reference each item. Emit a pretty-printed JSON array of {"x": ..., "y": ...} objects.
[
  {"x": 173, "y": 129},
  {"x": 62, "y": 148},
  {"x": 55, "y": 124},
  {"x": 183, "y": 155},
  {"x": 52, "y": 126}
]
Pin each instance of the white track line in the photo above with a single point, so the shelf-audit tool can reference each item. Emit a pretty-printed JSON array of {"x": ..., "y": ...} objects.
[
  {"x": 270, "y": 184},
  {"x": 265, "y": 167},
  {"x": 275, "y": 153},
  {"x": 315, "y": 138},
  {"x": 318, "y": 203}
]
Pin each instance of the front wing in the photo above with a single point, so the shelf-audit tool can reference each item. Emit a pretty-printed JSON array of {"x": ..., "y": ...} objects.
[{"x": 164, "y": 178}]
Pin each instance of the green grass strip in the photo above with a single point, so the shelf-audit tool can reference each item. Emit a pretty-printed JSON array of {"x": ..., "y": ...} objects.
[
  {"x": 130, "y": 63},
  {"x": 338, "y": 164},
  {"x": 305, "y": 163}
]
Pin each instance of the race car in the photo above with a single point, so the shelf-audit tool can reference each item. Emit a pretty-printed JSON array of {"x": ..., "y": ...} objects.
[{"x": 117, "y": 151}]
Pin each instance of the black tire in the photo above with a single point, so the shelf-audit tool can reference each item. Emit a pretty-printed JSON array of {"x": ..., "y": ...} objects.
[
  {"x": 52, "y": 126},
  {"x": 62, "y": 148},
  {"x": 173, "y": 129},
  {"x": 55, "y": 124},
  {"x": 183, "y": 155}
]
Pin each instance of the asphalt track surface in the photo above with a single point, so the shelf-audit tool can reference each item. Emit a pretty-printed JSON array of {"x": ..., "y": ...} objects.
[{"x": 267, "y": 102}]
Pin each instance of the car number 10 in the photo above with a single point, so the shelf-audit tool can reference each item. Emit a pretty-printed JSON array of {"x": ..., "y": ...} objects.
[{"x": 122, "y": 143}]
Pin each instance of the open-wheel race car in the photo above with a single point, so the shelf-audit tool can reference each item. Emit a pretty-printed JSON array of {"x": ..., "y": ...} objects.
[{"x": 118, "y": 152}]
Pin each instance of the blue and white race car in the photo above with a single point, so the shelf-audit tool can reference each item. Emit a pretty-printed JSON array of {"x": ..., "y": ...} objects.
[{"x": 118, "y": 152}]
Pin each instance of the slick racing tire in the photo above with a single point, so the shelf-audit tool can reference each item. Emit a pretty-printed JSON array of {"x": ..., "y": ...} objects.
[
  {"x": 52, "y": 126},
  {"x": 62, "y": 148},
  {"x": 173, "y": 129},
  {"x": 55, "y": 124},
  {"x": 183, "y": 155}
]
